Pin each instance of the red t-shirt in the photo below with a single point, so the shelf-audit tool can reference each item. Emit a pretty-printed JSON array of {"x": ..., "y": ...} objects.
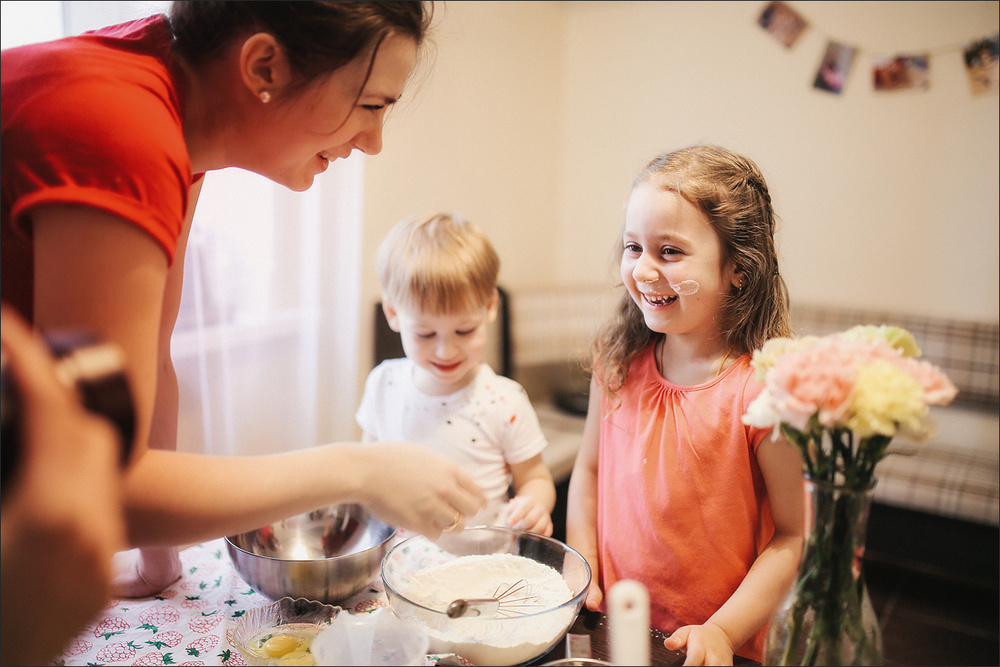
[
  {"x": 95, "y": 120},
  {"x": 681, "y": 501}
]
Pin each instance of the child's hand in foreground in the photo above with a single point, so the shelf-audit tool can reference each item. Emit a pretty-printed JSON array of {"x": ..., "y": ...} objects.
[{"x": 704, "y": 644}]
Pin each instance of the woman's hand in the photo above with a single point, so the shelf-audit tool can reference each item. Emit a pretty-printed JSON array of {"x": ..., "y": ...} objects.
[
  {"x": 413, "y": 488},
  {"x": 704, "y": 644}
]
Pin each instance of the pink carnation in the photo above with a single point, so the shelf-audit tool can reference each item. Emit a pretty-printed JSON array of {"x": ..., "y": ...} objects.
[
  {"x": 816, "y": 380},
  {"x": 938, "y": 389},
  {"x": 854, "y": 381}
]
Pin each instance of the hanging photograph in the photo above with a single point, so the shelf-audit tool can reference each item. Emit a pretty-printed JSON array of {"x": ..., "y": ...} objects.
[
  {"x": 901, "y": 72},
  {"x": 833, "y": 69},
  {"x": 982, "y": 64},
  {"x": 783, "y": 22}
]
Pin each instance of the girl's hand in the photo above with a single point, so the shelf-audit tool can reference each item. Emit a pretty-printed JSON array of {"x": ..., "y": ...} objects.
[
  {"x": 704, "y": 644},
  {"x": 595, "y": 596},
  {"x": 526, "y": 513}
]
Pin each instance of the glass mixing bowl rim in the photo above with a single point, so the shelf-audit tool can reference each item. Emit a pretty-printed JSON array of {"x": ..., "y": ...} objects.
[{"x": 576, "y": 600}]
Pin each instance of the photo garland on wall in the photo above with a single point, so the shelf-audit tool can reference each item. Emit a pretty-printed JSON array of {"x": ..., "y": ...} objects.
[
  {"x": 900, "y": 72},
  {"x": 982, "y": 65},
  {"x": 896, "y": 72},
  {"x": 782, "y": 22},
  {"x": 833, "y": 69}
]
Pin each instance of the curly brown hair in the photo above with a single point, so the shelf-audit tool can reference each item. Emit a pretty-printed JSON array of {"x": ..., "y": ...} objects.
[{"x": 730, "y": 190}]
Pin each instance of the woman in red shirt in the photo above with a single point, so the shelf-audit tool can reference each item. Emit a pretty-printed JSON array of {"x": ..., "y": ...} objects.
[{"x": 106, "y": 137}]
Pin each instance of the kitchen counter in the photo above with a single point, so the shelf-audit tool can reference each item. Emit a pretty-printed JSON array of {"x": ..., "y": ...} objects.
[
  {"x": 594, "y": 627},
  {"x": 192, "y": 621}
]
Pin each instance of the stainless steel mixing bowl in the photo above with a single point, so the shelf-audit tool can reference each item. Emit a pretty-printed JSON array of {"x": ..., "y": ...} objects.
[{"x": 327, "y": 555}]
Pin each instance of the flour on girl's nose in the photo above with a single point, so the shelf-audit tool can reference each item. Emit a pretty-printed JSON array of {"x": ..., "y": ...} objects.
[{"x": 686, "y": 287}]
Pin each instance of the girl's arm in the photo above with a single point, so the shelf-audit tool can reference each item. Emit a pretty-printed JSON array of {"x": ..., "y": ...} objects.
[
  {"x": 753, "y": 604},
  {"x": 535, "y": 496},
  {"x": 581, "y": 512}
]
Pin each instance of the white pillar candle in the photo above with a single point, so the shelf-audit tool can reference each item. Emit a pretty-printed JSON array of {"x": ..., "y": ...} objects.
[{"x": 628, "y": 616}]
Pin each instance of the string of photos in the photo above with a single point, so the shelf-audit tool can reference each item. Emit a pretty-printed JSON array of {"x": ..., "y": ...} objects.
[{"x": 901, "y": 71}]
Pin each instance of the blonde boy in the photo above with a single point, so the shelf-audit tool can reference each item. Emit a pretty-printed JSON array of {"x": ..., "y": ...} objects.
[{"x": 439, "y": 292}]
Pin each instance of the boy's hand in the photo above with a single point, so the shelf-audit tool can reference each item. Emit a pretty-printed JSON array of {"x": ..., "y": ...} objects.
[{"x": 526, "y": 513}]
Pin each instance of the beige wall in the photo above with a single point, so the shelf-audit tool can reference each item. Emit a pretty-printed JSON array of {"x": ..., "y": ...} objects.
[
  {"x": 481, "y": 135},
  {"x": 538, "y": 114}
]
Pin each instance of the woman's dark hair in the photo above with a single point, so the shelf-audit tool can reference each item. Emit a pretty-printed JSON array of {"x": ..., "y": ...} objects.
[{"x": 318, "y": 37}]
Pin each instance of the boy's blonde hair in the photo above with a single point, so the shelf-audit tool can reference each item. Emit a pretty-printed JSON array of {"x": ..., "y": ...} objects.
[{"x": 438, "y": 263}]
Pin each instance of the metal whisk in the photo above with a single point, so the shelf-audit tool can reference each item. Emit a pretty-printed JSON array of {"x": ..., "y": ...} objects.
[{"x": 508, "y": 600}]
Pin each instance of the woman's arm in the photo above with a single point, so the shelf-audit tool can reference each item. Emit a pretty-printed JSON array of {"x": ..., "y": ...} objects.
[
  {"x": 101, "y": 273},
  {"x": 97, "y": 271},
  {"x": 581, "y": 512},
  {"x": 179, "y": 498},
  {"x": 166, "y": 408},
  {"x": 755, "y": 600}
]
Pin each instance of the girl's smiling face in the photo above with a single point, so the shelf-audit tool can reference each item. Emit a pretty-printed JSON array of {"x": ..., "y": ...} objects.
[{"x": 668, "y": 245}]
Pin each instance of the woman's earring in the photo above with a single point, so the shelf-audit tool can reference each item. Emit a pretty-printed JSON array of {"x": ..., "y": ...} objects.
[{"x": 265, "y": 96}]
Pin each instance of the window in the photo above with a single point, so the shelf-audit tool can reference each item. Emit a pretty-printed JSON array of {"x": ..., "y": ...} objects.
[{"x": 266, "y": 341}]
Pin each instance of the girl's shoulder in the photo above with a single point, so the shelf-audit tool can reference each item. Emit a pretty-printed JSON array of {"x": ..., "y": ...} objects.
[{"x": 739, "y": 379}]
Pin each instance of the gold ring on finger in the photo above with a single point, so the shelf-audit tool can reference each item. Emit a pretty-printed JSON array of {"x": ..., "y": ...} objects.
[{"x": 454, "y": 524}]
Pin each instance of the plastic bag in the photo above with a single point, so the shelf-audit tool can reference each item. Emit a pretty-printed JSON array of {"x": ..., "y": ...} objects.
[{"x": 376, "y": 638}]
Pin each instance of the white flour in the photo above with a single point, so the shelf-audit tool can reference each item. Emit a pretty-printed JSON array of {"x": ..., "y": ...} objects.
[{"x": 492, "y": 641}]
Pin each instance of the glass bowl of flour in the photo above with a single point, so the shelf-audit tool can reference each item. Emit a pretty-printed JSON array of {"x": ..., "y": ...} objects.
[{"x": 541, "y": 583}]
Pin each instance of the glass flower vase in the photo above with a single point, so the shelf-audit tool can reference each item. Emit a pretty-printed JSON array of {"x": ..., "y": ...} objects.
[{"x": 827, "y": 617}]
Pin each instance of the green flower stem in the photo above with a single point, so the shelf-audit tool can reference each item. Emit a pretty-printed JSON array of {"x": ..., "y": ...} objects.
[{"x": 826, "y": 617}]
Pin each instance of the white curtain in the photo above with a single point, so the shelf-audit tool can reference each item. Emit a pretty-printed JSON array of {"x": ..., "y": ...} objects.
[{"x": 266, "y": 343}]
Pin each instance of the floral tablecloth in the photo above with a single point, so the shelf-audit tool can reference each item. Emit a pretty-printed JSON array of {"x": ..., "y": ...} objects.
[{"x": 189, "y": 623}]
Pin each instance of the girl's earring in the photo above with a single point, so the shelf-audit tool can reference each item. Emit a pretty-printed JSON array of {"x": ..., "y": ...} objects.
[{"x": 265, "y": 96}]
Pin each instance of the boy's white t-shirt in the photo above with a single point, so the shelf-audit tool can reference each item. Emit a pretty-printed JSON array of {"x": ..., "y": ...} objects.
[{"x": 482, "y": 427}]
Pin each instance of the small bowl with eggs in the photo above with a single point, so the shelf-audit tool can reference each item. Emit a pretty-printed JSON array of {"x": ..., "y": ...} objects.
[{"x": 282, "y": 632}]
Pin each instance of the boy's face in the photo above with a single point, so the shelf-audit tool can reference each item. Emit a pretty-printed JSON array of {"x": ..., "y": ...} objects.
[{"x": 447, "y": 349}]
